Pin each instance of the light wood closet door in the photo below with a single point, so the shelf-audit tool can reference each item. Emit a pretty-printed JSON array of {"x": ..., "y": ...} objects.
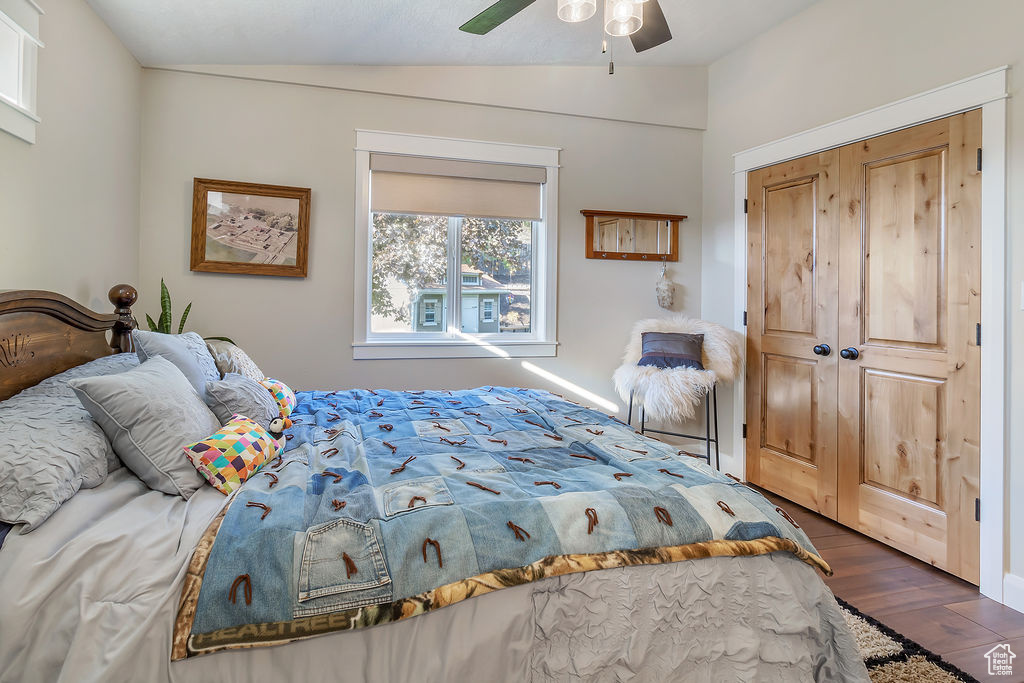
[
  {"x": 792, "y": 291},
  {"x": 909, "y": 301}
]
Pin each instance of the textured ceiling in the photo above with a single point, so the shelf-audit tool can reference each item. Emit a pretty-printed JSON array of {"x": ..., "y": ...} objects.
[{"x": 415, "y": 32}]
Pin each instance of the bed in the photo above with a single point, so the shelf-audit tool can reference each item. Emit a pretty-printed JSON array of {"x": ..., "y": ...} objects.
[{"x": 99, "y": 591}]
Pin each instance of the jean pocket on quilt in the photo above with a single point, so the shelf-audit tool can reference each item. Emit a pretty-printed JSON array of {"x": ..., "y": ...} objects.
[
  {"x": 341, "y": 556},
  {"x": 414, "y": 494}
]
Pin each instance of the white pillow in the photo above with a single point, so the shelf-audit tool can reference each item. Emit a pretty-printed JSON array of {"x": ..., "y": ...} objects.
[
  {"x": 187, "y": 351},
  {"x": 150, "y": 413}
]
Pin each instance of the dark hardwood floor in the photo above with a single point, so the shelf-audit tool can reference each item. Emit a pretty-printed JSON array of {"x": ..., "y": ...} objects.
[{"x": 944, "y": 614}]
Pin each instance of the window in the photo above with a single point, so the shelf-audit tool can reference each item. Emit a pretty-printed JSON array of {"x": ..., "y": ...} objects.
[
  {"x": 459, "y": 240},
  {"x": 19, "y": 45},
  {"x": 430, "y": 312},
  {"x": 410, "y": 262}
]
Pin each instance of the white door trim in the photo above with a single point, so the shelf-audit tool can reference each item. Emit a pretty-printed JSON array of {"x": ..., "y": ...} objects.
[{"x": 987, "y": 91}]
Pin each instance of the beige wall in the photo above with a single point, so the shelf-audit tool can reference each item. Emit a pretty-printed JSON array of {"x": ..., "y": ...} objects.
[
  {"x": 69, "y": 204},
  {"x": 301, "y": 330},
  {"x": 634, "y": 94},
  {"x": 839, "y": 58}
]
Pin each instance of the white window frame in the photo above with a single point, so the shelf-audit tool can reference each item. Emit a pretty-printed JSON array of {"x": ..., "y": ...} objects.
[
  {"x": 541, "y": 341},
  {"x": 20, "y": 118},
  {"x": 488, "y": 315}
]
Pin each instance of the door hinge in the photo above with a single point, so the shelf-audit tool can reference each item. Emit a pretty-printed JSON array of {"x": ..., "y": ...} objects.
[
  {"x": 744, "y": 318},
  {"x": 745, "y": 207},
  {"x": 979, "y": 159},
  {"x": 977, "y": 334},
  {"x": 744, "y": 430},
  {"x": 977, "y": 509}
]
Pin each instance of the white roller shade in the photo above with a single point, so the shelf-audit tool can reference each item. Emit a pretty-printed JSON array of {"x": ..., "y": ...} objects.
[{"x": 445, "y": 187}]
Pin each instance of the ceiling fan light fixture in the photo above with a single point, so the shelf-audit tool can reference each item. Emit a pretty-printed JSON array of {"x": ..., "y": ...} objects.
[
  {"x": 623, "y": 17},
  {"x": 573, "y": 11}
]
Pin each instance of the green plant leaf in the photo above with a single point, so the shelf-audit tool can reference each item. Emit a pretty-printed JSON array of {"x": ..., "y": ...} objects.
[
  {"x": 152, "y": 325},
  {"x": 184, "y": 316},
  {"x": 229, "y": 341},
  {"x": 165, "y": 308}
]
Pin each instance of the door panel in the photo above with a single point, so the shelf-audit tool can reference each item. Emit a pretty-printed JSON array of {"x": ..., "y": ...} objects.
[
  {"x": 789, "y": 257},
  {"x": 902, "y": 430},
  {"x": 904, "y": 242},
  {"x": 909, "y": 299},
  {"x": 792, "y": 289},
  {"x": 789, "y": 399}
]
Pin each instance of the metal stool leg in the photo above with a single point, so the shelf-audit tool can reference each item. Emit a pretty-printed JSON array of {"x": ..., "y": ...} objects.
[
  {"x": 714, "y": 395},
  {"x": 629, "y": 417},
  {"x": 643, "y": 417},
  {"x": 707, "y": 426}
]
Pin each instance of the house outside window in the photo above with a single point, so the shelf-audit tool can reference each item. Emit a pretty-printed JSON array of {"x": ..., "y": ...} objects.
[
  {"x": 480, "y": 291},
  {"x": 459, "y": 248}
]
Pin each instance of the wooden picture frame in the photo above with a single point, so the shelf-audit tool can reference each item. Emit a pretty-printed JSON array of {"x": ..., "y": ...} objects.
[
  {"x": 254, "y": 223},
  {"x": 632, "y": 236}
]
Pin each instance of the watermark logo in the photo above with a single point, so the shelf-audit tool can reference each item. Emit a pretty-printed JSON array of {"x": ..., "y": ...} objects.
[{"x": 1000, "y": 660}]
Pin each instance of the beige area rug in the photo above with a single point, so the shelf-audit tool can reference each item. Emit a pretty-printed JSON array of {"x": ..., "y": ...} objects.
[{"x": 893, "y": 658}]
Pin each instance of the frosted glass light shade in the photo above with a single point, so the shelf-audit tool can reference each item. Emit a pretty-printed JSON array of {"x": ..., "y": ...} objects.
[
  {"x": 623, "y": 17},
  {"x": 576, "y": 10}
]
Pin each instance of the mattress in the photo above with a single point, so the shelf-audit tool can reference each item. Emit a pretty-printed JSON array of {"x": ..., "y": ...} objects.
[{"x": 92, "y": 594}]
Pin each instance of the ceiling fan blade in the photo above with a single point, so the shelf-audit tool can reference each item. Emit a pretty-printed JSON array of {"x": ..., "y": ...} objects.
[
  {"x": 655, "y": 29},
  {"x": 494, "y": 16}
]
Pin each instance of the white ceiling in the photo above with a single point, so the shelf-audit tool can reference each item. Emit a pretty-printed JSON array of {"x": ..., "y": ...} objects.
[{"x": 415, "y": 32}]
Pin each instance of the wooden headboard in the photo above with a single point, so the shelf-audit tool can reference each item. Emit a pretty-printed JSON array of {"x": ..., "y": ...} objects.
[{"x": 44, "y": 333}]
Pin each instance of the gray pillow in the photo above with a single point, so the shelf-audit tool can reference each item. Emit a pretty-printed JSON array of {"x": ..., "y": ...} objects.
[
  {"x": 150, "y": 413},
  {"x": 237, "y": 394},
  {"x": 50, "y": 447},
  {"x": 672, "y": 350},
  {"x": 187, "y": 351},
  {"x": 230, "y": 358}
]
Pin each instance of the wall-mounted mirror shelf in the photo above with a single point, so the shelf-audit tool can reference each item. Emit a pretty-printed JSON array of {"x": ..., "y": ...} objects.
[{"x": 631, "y": 236}]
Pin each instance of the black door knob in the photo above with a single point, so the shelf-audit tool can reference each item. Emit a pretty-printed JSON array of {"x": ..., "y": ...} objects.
[
  {"x": 850, "y": 353},
  {"x": 822, "y": 349}
]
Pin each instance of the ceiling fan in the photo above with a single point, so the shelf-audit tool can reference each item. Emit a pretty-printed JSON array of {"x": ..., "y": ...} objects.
[{"x": 641, "y": 20}]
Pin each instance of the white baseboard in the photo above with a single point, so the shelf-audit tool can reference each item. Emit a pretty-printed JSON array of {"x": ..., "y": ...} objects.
[
  {"x": 1013, "y": 591},
  {"x": 733, "y": 466}
]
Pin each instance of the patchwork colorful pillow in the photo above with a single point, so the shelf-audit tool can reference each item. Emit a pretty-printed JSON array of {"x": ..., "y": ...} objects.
[
  {"x": 232, "y": 454},
  {"x": 284, "y": 396}
]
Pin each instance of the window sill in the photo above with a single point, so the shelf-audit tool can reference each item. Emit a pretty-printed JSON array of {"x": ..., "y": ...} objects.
[
  {"x": 394, "y": 350},
  {"x": 18, "y": 121}
]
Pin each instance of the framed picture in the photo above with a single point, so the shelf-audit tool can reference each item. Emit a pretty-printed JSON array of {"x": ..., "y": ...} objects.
[{"x": 249, "y": 228}]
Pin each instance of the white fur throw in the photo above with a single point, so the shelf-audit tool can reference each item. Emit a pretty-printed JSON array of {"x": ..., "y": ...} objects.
[{"x": 673, "y": 394}]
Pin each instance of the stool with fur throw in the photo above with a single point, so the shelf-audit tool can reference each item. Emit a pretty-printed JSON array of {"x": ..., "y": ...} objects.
[{"x": 673, "y": 394}]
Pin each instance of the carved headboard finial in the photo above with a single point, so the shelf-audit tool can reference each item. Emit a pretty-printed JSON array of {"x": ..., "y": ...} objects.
[{"x": 123, "y": 296}]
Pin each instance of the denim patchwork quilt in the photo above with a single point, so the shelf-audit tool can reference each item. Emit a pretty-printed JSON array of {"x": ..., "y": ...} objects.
[{"x": 388, "y": 504}]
